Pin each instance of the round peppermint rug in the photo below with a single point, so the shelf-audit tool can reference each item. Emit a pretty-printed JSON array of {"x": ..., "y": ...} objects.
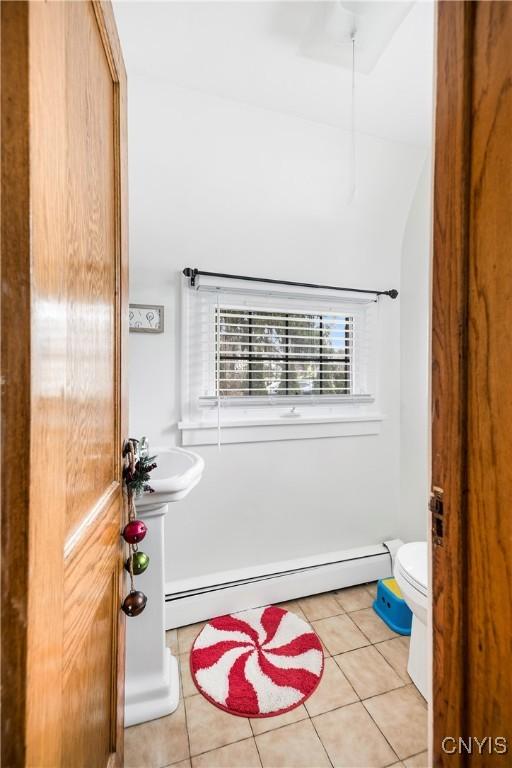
[{"x": 258, "y": 663}]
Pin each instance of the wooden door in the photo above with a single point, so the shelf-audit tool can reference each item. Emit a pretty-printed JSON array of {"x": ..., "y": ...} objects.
[
  {"x": 64, "y": 291},
  {"x": 471, "y": 374}
]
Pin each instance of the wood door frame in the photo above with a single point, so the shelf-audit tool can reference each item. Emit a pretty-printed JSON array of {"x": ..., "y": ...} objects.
[
  {"x": 449, "y": 365},
  {"x": 22, "y": 589},
  {"x": 15, "y": 244},
  {"x": 471, "y": 343}
]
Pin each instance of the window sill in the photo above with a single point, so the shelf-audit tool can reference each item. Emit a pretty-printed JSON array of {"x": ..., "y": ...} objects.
[{"x": 279, "y": 428}]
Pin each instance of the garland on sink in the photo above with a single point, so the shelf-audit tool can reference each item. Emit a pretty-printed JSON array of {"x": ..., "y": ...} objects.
[{"x": 136, "y": 472}]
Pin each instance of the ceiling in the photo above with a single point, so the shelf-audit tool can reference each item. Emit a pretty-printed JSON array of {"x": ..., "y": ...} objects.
[{"x": 279, "y": 56}]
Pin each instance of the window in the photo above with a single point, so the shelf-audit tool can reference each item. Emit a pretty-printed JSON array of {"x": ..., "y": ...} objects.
[
  {"x": 266, "y": 353},
  {"x": 262, "y": 363}
]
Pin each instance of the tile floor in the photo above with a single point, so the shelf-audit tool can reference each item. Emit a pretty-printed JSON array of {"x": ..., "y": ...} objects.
[{"x": 365, "y": 713}]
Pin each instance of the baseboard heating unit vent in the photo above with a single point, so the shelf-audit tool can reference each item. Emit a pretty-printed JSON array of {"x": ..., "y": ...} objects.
[{"x": 202, "y": 598}]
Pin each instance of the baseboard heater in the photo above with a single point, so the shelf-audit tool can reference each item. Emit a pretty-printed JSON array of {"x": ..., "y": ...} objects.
[{"x": 199, "y": 599}]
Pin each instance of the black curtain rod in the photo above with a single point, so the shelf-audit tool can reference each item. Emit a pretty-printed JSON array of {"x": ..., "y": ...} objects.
[{"x": 193, "y": 273}]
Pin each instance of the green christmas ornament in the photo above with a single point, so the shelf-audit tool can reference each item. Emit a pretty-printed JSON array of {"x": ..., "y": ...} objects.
[{"x": 140, "y": 562}]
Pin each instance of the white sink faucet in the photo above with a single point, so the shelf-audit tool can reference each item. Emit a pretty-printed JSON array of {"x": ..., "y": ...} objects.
[{"x": 144, "y": 447}]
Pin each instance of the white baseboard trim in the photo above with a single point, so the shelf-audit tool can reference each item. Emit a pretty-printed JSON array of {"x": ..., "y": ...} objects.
[{"x": 202, "y": 598}]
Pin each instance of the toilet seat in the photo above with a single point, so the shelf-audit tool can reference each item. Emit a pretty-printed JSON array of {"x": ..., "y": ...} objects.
[{"x": 411, "y": 563}]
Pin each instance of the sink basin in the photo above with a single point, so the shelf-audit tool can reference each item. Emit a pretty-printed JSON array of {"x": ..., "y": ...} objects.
[{"x": 177, "y": 472}]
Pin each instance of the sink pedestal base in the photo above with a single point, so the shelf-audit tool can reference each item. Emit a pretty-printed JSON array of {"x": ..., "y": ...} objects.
[
  {"x": 152, "y": 685},
  {"x": 150, "y": 697}
]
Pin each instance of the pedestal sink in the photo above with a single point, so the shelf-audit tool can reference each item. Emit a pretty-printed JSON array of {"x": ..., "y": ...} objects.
[{"x": 152, "y": 680}]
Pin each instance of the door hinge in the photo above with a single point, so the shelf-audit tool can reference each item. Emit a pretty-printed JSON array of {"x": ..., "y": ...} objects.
[{"x": 436, "y": 506}]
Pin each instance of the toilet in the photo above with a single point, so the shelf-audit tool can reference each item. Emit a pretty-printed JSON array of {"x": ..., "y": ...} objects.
[{"x": 411, "y": 573}]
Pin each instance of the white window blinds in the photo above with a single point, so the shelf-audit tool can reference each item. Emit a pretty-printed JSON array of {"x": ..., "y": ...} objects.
[
  {"x": 263, "y": 353},
  {"x": 246, "y": 344}
]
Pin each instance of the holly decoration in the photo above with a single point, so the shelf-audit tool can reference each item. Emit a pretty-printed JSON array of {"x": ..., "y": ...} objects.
[{"x": 136, "y": 475}]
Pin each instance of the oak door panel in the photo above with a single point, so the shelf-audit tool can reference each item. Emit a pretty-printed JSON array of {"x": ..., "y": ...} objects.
[
  {"x": 85, "y": 702},
  {"x": 91, "y": 266},
  {"x": 87, "y": 570},
  {"x": 64, "y": 397}
]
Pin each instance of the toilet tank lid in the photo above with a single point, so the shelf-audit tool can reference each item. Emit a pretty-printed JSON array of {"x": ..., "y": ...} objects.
[{"x": 413, "y": 560}]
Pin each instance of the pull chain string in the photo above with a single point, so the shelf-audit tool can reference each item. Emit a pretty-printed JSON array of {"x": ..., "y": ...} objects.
[
  {"x": 131, "y": 547},
  {"x": 352, "y": 147},
  {"x": 130, "y": 459},
  {"x": 130, "y": 560},
  {"x": 131, "y": 506}
]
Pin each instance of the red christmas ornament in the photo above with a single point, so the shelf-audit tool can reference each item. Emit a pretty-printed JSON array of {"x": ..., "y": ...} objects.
[{"x": 134, "y": 531}]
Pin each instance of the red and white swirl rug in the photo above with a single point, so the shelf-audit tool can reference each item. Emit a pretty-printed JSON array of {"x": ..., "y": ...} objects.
[{"x": 257, "y": 663}]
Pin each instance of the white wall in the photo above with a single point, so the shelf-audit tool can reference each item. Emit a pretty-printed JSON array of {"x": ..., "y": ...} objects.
[
  {"x": 414, "y": 363},
  {"x": 224, "y": 186}
]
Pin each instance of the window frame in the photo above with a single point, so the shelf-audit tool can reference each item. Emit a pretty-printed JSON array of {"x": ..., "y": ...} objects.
[{"x": 255, "y": 418}]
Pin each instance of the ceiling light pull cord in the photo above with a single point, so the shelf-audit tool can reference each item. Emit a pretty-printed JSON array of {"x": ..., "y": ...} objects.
[{"x": 352, "y": 147}]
